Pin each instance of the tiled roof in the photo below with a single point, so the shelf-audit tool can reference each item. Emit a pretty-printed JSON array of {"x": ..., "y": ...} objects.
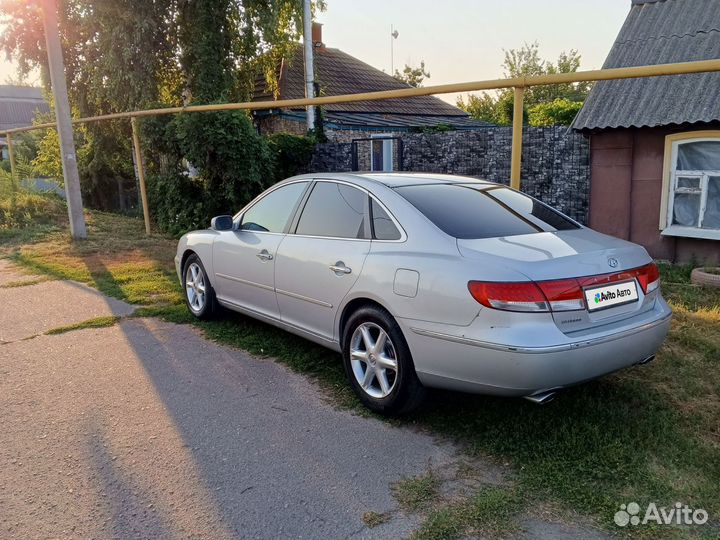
[
  {"x": 389, "y": 122},
  {"x": 18, "y": 105},
  {"x": 339, "y": 73},
  {"x": 659, "y": 32}
]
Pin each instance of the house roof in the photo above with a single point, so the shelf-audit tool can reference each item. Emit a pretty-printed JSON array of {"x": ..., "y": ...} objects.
[
  {"x": 354, "y": 121},
  {"x": 18, "y": 105},
  {"x": 339, "y": 73},
  {"x": 659, "y": 32}
]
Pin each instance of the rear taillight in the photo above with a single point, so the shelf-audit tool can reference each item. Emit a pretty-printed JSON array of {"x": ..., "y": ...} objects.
[
  {"x": 652, "y": 277},
  {"x": 520, "y": 296},
  {"x": 557, "y": 295},
  {"x": 563, "y": 295}
]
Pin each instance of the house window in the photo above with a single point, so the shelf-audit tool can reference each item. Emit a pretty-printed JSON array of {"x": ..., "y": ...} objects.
[{"x": 692, "y": 195}]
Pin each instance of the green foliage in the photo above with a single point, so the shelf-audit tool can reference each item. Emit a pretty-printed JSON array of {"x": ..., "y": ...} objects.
[
  {"x": 103, "y": 155},
  {"x": 291, "y": 154},
  {"x": 21, "y": 207},
  {"x": 489, "y": 513},
  {"x": 412, "y": 76},
  {"x": 416, "y": 493},
  {"x": 206, "y": 38},
  {"x": 123, "y": 55},
  {"x": 233, "y": 160},
  {"x": 526, "y": 62},
  {"x": 25, "y": 207},
  {"x": 47, "y": 162},
  {"x": 559, "y": 112},
  {"x": 26, "y": 145},
  {"x": 230, "y": 165},
  {"x": 497, "y": 108},
  {"x": 481, "y": 107}
]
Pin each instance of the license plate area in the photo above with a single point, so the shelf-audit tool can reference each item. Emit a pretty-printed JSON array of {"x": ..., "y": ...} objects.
[{"x": 611, "y": 295}]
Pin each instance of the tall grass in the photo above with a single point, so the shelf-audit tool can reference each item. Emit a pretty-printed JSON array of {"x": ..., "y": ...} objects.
[{"x": 21, "y": 207}]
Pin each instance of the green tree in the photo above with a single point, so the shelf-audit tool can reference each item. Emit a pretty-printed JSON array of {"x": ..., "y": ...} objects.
[
  {"x": 122, "y": 55},
  {"x": 526, "y": 62},
  {"x": 221, "y": 43},
  {"x": 412, "y": 76},
  {"x": 484, "y": 106},
  {"x": 559, "y": 112}
]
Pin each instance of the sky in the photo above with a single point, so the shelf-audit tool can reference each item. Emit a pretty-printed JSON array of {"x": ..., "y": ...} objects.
[{"x": 463, "y": 40}]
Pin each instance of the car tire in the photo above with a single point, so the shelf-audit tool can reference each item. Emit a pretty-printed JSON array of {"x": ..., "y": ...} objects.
[
  {"x": 381, "y": 387},
  {"x": 202, "y": 305}
]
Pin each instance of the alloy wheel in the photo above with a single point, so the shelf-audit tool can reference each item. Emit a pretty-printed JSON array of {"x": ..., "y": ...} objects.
[
  {"x": 195, "y": 287},
  {"x": 373, "y": 360}
]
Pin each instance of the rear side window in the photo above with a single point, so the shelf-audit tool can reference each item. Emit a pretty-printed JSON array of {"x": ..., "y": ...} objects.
[
  {"x": 469, "y": 211},
  {"x": 272, "y": 212},
  {"x": 383, "y": 226},
  {"x": 334, "y": 210}
]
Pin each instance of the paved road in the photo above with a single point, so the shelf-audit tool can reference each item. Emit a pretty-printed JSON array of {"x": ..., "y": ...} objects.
[{"x": 145, "y": 429}]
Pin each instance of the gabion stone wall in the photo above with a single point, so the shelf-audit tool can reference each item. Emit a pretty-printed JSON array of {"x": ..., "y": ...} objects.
[
  {"x": 555, "y": 161},
  {"x": 332, "y": 157}
]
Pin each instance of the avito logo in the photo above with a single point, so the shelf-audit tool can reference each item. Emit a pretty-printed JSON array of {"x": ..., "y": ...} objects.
[
  {"x": 603, "y": 296},
  {"x": 610, "y": 295}
]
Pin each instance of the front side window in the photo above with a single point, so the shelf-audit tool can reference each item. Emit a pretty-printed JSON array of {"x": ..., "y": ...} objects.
[
  {"x": 334, "y": 210},
  {"x": 694, "y": 200},
  {"x": 273, "y": 211},
  {"x": 477, "y": 211}
]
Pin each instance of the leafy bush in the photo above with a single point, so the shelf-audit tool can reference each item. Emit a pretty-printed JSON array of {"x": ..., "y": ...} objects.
[
  {"x": 205, "y": 164},
  {"x": 291, "y": 154},
  {"x": 560, "y": 112}
]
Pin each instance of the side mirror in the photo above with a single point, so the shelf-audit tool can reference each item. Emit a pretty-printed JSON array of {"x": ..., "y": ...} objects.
[{"x": 221, "y": 223}]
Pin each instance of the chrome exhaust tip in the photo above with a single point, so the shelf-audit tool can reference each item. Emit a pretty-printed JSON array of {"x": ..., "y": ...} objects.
[
  {"x": 646, "y": 360},
  {"x": 542, "y": 398}
]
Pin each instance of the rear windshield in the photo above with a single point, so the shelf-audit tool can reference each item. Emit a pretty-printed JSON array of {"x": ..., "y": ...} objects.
[{"x": 478, "y": 211}]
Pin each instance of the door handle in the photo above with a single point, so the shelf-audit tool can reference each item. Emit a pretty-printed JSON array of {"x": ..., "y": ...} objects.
[
  {"x": 340, "y": 268},
  {"x": 264, "y": 255}
]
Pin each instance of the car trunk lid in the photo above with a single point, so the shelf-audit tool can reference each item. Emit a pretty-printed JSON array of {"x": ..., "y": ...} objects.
[{"x": 576, "y": 253}]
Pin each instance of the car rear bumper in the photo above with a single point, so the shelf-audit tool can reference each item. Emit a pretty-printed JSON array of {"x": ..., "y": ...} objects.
[{"x": 460, "y": 362}]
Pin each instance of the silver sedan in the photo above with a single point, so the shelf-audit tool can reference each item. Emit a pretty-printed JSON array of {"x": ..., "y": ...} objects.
[{"x": 425, "y": 280}]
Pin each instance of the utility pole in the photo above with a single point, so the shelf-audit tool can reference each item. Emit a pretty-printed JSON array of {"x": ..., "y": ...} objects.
[
  {"x": 64, "y": 123},
  {"x": 308, "y": 57}
]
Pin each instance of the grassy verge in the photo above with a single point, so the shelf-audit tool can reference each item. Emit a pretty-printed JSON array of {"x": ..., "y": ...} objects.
[
  {"x": 416, "y": 494},
  {"x": 648, "y": 434},
  {"x": 489, "y": 513},
  {"x": 98, "y": 322}
]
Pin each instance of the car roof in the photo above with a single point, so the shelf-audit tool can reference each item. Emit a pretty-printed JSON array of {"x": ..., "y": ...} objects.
[{"x": 400, "y": 179}]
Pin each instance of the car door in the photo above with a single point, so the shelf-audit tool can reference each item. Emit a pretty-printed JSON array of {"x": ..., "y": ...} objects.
[
  {"x": 244, "y": 258},
  {"x": 321, "y": 259}
]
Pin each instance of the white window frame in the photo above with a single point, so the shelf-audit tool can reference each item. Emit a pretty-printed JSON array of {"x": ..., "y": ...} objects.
[{"x": 670, "y": 180}]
